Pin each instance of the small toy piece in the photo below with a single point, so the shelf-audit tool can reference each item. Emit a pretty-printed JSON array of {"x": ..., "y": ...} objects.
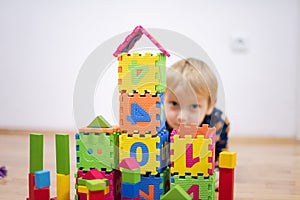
[
  {"x": 3, "y": 172},
  {"x": 176, "y": 192},
  {"x": 42, "y": 178}
]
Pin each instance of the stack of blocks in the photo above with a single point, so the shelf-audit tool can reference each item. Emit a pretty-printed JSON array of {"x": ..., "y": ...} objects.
[
  {"x": 142, "y": 138},
  {"x": 97, "y": 160},
  {"x": 141, "y": 81},
  {"x": 131, "y": 179},
  {"x": 192, "y": 160},
  {"x": 139, "y": 159},
  {"x": 39, "y": 179}
]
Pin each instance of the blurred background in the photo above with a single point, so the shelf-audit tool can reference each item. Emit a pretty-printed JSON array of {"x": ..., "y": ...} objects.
[{"x": 254, "y": 44}]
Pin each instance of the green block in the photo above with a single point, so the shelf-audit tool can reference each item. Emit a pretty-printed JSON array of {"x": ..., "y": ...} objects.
[
  {"x": 131, "y": 176},
  {"x": 82, "y": 181},
  {"x": 97, "y": 184},
  {"x": 206, "y": 185},
  {"x": 99, "y": 122},
  {"x": 176, "y": 192},
  {"x": 36, "y": 152},
  {"x": 97, "y": 150},
  {"x": 62, "y": 154}
]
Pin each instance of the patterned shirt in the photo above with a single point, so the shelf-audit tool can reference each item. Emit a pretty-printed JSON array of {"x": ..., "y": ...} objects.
[{"x": 222, "y": 129}]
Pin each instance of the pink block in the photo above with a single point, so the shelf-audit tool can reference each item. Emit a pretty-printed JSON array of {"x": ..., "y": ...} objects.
[
  {"x": 129, "y": 163},
  {"x": 133, "y": 37},
  {"x": 93, "y": 174}
]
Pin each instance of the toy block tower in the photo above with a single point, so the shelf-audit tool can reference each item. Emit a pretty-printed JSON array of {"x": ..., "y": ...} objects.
[
  {"x": 192, "y": 160},
  {"x": 227, "y": 164},
  {"x": 39, "y": 179},
  {"x": 131, "y": 179},
  {"x": 142, "y": 83},
  {"x": 97, "y": 160}
]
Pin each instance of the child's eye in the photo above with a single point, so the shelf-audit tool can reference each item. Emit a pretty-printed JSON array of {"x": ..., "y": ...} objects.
[
  {"x": 173, "y": 103},
  {"x": 194, "y": 106}
]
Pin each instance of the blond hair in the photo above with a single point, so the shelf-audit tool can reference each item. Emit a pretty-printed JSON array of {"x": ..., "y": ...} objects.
[{"x": 195, "y": 74}]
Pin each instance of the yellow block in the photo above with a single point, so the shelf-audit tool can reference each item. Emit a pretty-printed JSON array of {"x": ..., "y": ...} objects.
[
  {"x": 191, "y": 155},
  {"x": 144, "y": 148},
  {"x": 83, "y": 189},
  {"x": 63, "y": 186},
  {"x": 131, "y": 65},
  {"x": 227, "y": 160},
  {"x": 106, "y": 191}
]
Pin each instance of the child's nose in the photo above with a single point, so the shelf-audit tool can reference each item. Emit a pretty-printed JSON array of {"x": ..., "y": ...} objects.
[{"x": 182, "y": 117}]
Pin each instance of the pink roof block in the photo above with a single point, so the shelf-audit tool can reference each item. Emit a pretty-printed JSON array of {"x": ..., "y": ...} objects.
[
  {"x": 129, "y": 163},
  {"x": 131, "y": 39},
  {"x": 93, "y": 174}
]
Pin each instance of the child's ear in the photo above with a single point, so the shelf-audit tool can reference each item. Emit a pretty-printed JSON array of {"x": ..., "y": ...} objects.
[{"x": 211, "y": 108}]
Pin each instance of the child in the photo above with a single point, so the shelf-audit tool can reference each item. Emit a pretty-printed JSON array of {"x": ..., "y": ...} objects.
[{"x": 191, "y": 96}]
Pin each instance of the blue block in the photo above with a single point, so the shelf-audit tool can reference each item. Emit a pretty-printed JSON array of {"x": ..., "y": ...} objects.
[
  {"x": 130, "y": 190},
  {"x": 42, "y": 178},
  {"x": 164, "y": 147}
]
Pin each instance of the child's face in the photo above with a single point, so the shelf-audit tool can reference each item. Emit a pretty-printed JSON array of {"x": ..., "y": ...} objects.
[{"x": 184, "y": 106}]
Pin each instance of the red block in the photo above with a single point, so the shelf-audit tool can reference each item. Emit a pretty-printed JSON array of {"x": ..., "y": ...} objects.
[
  {"x": 42, "y": 193},
  {"x": 31, "y": 184},
  {"x": 136, "y": 198},
  {"x": 226, "y": 184},
  {"x": 82, "y": 196},
  {"x": 96, "y": 195},
  {"x": 115, "y": 180}
]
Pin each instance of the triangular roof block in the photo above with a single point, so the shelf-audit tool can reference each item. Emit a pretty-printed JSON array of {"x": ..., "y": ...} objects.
[
  {"x": 133, "y": 37},
  {"x": 176, "y": 192},
  {"x": 129, "y": 163},
  {"x": 93, "y": 174},
  {"x": 99, "y": 122}
]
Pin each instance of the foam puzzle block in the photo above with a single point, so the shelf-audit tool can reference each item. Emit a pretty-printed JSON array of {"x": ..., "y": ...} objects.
[
  {"x": 142, "y": 72},
  {"x": 198, "y": 187},
  {"x": 141, "y": 113},
  {"x": 97, "y": 150},
  {"x": 154, "y": 186},
  {"x": 150, "y": 152},
  {"x": 194, "y": 156}
]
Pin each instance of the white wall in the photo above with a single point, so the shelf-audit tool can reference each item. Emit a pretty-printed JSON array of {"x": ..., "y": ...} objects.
[{"x": 44, "y": 43}]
